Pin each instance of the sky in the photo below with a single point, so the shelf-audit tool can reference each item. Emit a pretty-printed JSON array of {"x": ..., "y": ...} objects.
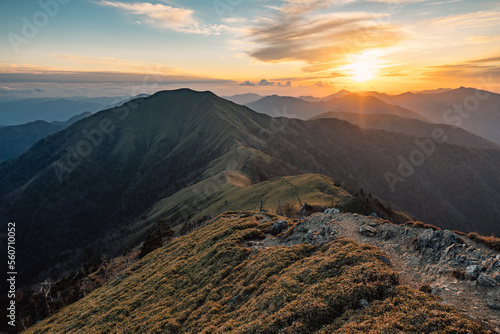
[{"x": 285, "y": 47}]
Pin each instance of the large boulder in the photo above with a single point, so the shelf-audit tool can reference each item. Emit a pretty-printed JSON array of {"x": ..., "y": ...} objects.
[
  {"x": 368, "y": 230},
  {"x": 472, "y": 272},
  {"x": 486, "y": 280},
  {"x": 436, "y": 240},
  {"x": 279, "y": 226}
]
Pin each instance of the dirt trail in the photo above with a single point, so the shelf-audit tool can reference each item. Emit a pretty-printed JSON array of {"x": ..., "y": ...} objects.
[
  {"x": 421, "y": 257},
  {"x": 414, "y": 268}
]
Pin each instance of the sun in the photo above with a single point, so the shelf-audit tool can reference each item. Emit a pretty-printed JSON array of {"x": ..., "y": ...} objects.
[{"x": 364, "y": 66}]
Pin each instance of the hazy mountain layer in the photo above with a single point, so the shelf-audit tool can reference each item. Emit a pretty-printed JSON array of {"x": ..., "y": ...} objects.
[
  {"x": 17, "y": 139},
  {"x": 278, "y": 106},
  {"x": 474, "y": 110},
  {"x": 412, "y": 127},
  {"x": 88, "y": 185}
]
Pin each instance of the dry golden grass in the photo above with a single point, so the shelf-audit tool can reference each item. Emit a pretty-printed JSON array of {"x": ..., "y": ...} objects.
[
  {"x": 210, "y": 281},
  {"x": 490, "y": 242}
]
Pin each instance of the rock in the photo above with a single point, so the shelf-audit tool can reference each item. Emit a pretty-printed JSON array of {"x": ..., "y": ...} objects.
[
  {"x": 332, "y": 210},
  {"x": 302, "y": 229},
  {"x": 493, "y": 305},
  {"x": 364, "y": 303},
  {"x": 388, "y": 234},
  {"x": 279, "y": 226},
  {"x": 495, "y": 265},
  {"x": 234, "y": 300},
  {"x": 496, "y": 277},
  {"x": 473, "y": 271},
  {"x": 436, "y": 240},
  {"x": 303, "y": 209},
  {"x": 384, "y": 259},
  {"x": 486, "y": 280},
  {"x": 367, "y": 230},
  {"x": 374, "y": 215}
]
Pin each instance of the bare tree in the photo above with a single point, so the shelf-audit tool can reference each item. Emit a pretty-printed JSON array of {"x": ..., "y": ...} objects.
[{"x": 263, "y": 200}]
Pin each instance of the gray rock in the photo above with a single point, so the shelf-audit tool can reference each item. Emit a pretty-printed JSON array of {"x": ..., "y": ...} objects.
[
  {"x": 332, "y": 210},
  {"x": 374, "y": 215},
  {"x": 486, "y": 280},
  {"x": 279, "y": 226},
  {"x": 493, "y": 305},
  {"x": 495, "y": 265},
  {"x": 436, "y": 240},
  {"x": 384, "y": 259},
  {"x": 302, "y": 229},
  {"x": 496, "y": 277},
  {"x": 234, "y": 300},
  {"x": 473, "y": 271},
  {"x": 364, "y": 303},
  {"x": 367, "y": 230}
]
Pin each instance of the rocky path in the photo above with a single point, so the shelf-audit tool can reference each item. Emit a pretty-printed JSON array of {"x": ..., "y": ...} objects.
[
  {"x": 423, "y": 257},
  {"x": 418, "y": 268}
]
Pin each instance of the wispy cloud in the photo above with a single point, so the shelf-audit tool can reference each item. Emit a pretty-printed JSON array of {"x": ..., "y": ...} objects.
[
  {"x": 117, "y": 64},
  {"x": 166, "y": 17},
  {"x": 470, "y": 20},
  {"x": 471, "y": 68},
  {"x": 308, "y": 31},
  {"x": 441, "y": 2}
]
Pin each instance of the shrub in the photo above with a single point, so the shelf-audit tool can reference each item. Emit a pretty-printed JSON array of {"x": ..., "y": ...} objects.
[{"x": 490, "y": 242}]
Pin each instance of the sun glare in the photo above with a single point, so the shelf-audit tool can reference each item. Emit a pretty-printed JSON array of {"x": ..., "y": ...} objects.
[{"x": 364, "y": 66}]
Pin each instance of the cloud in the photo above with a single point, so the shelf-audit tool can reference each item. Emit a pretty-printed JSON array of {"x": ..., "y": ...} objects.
[
  {"x": 287, "y": 84},
  {"x": 305, "y": 30},
  {"x": 470, "y": 20},
  {"x": 441, "y": 2},
  {"x": 4, "y": 90},
  {"x": 82, "y": 77},
  {"x": 165, "y": 17},
  {"x": 247, "y": 84},
  {"x": 265, "y": 83},
  {"x": 472, "y": 69},
  {"x": 121, "y": 65}
]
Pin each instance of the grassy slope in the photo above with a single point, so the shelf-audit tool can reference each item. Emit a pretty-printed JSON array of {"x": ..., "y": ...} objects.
[
  {"x": 192, "y": 284},
  {"x": 412, "y": 127},
  {"x": 215, "y": 195}
]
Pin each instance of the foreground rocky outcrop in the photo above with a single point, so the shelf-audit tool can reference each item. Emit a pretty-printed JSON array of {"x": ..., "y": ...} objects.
[
  {"x": 461, "y": 272},
  {"x": 260, "y": 273}
]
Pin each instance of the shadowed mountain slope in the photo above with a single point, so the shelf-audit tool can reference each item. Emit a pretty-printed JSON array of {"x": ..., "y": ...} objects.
[
  {"x": 412, "y": 127},
  {"x": 77, "y": 191},
  {"x": 17, "y": 139},
  {"x": 471, "y": 109},
  {"x": 277, "y": 106}
]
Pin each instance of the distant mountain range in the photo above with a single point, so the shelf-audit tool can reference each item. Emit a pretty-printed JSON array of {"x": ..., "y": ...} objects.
[
  {"x": 412, "y": 127},
  {"x": 277, "y": 106},
  {"x": 17, "y": 139},
  {"x": 474, "y": 110},
  {"x": 96, "y": 185},
  {"x": 21, "y": 111}
]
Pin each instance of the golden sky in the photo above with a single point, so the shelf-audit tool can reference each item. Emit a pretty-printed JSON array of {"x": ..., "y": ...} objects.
[{"x": 286, "y": 47}]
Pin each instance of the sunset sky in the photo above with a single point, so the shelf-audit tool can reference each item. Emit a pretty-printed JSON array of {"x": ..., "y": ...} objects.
[{"x": 291, "y": 47}]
